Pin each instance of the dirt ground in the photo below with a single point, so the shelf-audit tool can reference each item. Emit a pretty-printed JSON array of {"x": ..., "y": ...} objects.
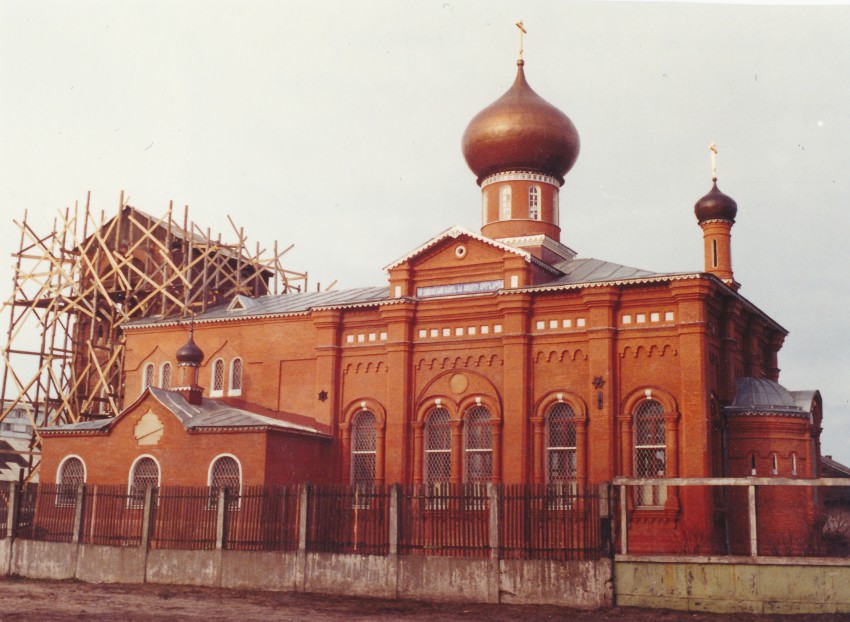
[{"x": 60, "y": 601}]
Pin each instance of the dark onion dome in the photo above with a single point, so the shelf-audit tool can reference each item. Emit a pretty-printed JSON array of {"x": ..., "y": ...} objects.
[
  {"x": 520, "y": 131},
  {"x": 715, "y": 206},
  {"x": 190, "y": 354}
]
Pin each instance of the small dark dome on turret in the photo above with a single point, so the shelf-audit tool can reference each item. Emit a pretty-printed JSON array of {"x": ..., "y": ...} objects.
[
  {"x": 715, "y": 206},
  {"x": 190, "y": 354}
]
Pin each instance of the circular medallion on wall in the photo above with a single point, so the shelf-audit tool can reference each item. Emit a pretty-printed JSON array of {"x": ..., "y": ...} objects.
[
  {"x": 459, "y": 382},
  {"x": 460, "y": 251}
]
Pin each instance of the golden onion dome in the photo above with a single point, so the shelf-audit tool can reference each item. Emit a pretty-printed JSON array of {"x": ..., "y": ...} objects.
[
  {"x": 715, "y": 206},
  {"x": 520, "y": 131}
]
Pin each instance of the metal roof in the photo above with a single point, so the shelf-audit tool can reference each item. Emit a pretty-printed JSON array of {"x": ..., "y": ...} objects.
[
  {"x": 280, "y": 304},
  {"x": 763, "y": 396},
  {"x": 594, "y": 270},
  {"x": 209, "y": 415}
]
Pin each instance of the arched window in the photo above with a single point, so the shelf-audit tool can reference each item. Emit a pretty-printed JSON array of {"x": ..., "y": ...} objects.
[
  {"x": 556, "y": 210},
  {"x": 72, "y": 473},
  {"x": 534, "y": 203},
  {"x": 235, "y": 387},
  {"x": 165, "y": 375},
  {"x": 561, "y": 444},
  {"x": 226, "y": 474},
  {"x": 364, "y": 446},
  {"x": 505, "y": 203},
  {"x": 478, "y": 449},
  {"x": 650, "y": 451},
  {"x": 217, "y": 380},
  {"x": 148, "y": 375},
  {"x": 144, "y": 475},
  {"x": 438, "y": 446},
  {"x": 484, "y": 203}
]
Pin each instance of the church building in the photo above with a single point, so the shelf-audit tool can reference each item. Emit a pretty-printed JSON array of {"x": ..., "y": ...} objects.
[{"x": 496, "y": 355}]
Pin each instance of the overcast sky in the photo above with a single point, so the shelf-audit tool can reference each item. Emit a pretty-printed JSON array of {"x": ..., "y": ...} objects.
[{"x": 336, "y": 126}]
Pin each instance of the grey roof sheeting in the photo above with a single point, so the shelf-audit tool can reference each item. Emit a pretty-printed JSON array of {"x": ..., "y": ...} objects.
[
  {"x": 594, "y": 270},
  {"x": 280, "y": 304},
  {"x": 209, "y": 415},
  {"x": 763, "y": 396}
]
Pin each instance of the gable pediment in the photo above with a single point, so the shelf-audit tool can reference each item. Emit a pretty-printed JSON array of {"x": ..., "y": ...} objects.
[{"x": 459, "y": 262}]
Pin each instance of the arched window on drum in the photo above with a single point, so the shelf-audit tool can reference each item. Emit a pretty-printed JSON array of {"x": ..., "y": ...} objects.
[
  {"x": 650, "y": 438},
  {"x": 534, "y": 203}
]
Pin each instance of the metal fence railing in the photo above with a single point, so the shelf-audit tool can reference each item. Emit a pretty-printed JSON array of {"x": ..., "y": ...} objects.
[
  {"x": 552, "y": 521},
  {"x": 184, "y": 518},
  {"x": 348, "y": 519},
  {"x": 262, "y": 518},
  {"x": 111, "y": 518},
  {"x": 444, "y": 519},
  {"x": 5, "y": 506}
]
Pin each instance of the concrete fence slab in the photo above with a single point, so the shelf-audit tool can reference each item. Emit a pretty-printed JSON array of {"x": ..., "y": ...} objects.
[
  {"x": 111, "y": 564},
  {"x": 363, "y": 575},
  {"x": 259, "y": 570},
  {"x": 179, "y": 567},
  {"x": 44, "y": 560}
]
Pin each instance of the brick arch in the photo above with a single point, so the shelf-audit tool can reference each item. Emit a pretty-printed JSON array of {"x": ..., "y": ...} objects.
[
  {"x": 487, "y": 401},
  {"x": 426, "y": 405},
  {"x": 658, "y": 394},
  {"x": 361, "y": 404},
  {"x": 541, "y": 408}
]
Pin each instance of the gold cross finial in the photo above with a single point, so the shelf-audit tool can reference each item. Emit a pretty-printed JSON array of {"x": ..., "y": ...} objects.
[
  {"x": 713, "y": 148},
  {"x": 522, "y": 31}
]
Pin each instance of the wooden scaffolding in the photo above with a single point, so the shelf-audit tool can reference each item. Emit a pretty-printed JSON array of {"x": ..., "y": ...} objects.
[{"x": 75, "y": 287}]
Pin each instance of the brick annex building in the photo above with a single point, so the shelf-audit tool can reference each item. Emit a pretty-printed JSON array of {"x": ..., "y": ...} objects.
[{"x": 491, "y": 356}]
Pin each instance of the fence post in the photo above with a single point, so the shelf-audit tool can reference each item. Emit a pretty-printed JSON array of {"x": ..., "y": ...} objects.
[
  {"x": 606, "y": 526},
  {"x": 751, "y": 511},
  {"x": 147, "y": 518},
  {"x": 301, "y": 565},
  {"x": 624, "y": 522},
  {"x": 78, "y": 514},
  {"x": 393, "y": 536},
  {"x": 14, "y": 504},
  {"x": 393, "y": 539},
  {"x": 219, "y": 519},
  {"x": 493, "y": 498}
]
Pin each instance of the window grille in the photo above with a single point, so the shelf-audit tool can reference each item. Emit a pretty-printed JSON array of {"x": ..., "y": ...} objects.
[
  {"x": 650, "y": 451},
  {"x": 505, "y": 203},
  {"x": 438, "y": 446},
  {"x": 236, "y": 376},
  {"x": 479, "y": 445},
  {"x": 534, "y": 203},
  {"x": 218, "y": 376},
  {"x": 145, "y": 475},
  {"x": 165, "y": 376},
  {"x": 71, "y": 475},
  {"x": 561, "y": 444},
  {"x": 225, "y": 474},
  {"x": 148, "y": 376},
  {"x": 363, "y": 449}
]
